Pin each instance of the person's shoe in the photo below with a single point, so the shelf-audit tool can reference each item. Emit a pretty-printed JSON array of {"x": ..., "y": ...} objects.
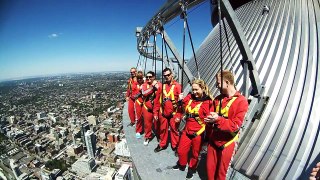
[
  {"x": 158, "y": 149},
  {"x": 146, "y": 142},
  {"x": 178, "y": 167},
  {"x": 190, "y": 173},
  {"x": 130, "y": 124},
  {"x": 138, "y": 135}
]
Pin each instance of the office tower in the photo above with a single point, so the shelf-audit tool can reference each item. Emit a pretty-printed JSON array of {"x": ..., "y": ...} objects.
[
  {"x": 90, "y": 138},
  {"x": 84, "y": 128}
]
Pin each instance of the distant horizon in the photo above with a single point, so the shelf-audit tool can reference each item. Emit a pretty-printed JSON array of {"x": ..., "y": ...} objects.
[
  {"x": 65, "y": 74},
  {"x": 59, "y": 74}
]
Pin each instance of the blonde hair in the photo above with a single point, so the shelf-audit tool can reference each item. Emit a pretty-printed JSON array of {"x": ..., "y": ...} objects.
[
  {"x": 203, "y": 86},
  {"x": 139, "y": 74}
]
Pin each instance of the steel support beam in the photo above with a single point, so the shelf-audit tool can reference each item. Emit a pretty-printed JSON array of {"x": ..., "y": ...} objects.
[{"x": 248, "y": 62}]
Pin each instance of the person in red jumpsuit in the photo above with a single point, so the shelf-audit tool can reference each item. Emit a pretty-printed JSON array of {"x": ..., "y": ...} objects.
[
  {"x": 223, "y": 125},
  {"x": 168, "y": 108},
  {"x": 136, "y": 94},
  {"x": 196, "y": 106},
  {"x": 129, "y": 98},
  {"x": 151, "y": 91}
]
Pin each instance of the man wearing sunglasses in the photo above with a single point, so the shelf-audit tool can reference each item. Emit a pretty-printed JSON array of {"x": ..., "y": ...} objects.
[
  {"x": 129, "y": 96},
  {"x": 151, "y": 91},
  {"x": 168, "y": 108}
]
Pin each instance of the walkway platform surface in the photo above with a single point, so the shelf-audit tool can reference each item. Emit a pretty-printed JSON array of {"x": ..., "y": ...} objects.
[{"x": 151, "y": 165}]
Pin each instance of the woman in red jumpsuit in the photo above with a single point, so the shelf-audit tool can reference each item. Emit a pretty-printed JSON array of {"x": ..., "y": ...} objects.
[
  {"x": 136, "y": 93},
  {"x": 196, "y": 107},
  {"x": 151, "y": 92}
]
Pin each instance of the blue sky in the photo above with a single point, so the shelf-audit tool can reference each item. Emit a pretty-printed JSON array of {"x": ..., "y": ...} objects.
[{"x": 45, "y": 37}]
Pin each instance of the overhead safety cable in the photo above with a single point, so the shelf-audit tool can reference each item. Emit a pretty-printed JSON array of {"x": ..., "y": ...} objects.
[
  {"x": 165, "y": 47},
  {"x": 221, "y": 60},
  {"x": 138, "y": 61},
  {"x": 186, "y": 25},
  {"x": 145, "y": 62},
  {"x": 175, "y": 58},
  {"x": 194, "y": 54},
  {"x": 183, "y": 14},
  {"x": 162, "y": 44},
  {"x": 229, "y": 49},
  {"x": 154, "y": 55}
]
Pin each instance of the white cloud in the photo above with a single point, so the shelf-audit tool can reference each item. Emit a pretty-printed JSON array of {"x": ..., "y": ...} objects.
[{"x": 53, "y": 35}]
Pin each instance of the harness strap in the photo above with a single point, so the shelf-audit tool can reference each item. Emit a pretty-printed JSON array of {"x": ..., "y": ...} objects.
[
  {"x": 225, "y": 110},
  {"x": 149, "y": 98},
  {"x": 235, "y": 138},
  {"x": 224, "y": 113},
  {"x": 149, "y": 110},
  {"x": 170, "y": 93},
  {"x": 195, "y": 114},
  {"x": 168, "y": 97},
  {"x": 140, "y": 103},
  {"x": 129, "y": 86}
]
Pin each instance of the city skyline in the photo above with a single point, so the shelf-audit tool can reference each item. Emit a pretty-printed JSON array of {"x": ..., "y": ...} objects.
[{"x": 42, "y": 38}]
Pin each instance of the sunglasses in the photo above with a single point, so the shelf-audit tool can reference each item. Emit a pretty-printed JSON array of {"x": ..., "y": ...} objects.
[
  {"x": 166, "y": 75},
  {"x": 132, "y": 72},
  {"x": 149, "y": 77}
]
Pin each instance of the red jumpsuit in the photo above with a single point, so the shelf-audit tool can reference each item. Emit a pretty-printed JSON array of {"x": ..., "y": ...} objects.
[
  {"x": 223, "y": 133},
  {"x": 151, "y": 106},
  {"x": 196, "y": 109},
  {"x": 168, "y": 110},
  {"x": 131, "y": 83},
  {"x": 137, "y": 106}
]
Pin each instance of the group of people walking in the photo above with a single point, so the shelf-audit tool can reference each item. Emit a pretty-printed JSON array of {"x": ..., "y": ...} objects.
[{"x": 207, "y": 120}]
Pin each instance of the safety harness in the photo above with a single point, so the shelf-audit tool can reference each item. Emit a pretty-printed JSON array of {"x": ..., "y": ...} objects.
[
  {"x": 194, "y": 113},
  {"x": 224, "y": 112},
  {"x": 168, "y": 97},
  {"x": 137, "y": 99},
  {"x": 130, "y": 85},
  {"x": 151, "y": 98}
]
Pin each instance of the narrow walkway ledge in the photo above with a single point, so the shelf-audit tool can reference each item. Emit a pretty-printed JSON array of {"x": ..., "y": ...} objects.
[{"x": 151, "y": 165}]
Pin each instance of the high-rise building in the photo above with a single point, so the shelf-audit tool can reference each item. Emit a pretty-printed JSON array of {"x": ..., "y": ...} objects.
[
  {"x": 84, "y": 128},
  {"x": 124, "y": 173},
  {"x": 91, "y": 143},
  {"x": 15, "y": 169},
  {"x": 83, "y": 166}
]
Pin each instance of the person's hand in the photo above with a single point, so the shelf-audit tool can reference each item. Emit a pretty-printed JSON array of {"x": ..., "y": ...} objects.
[
  {"x": 314, "y": 173},
  {"x": 155, "y": 117},
  {"x": 180, "y": 96},
  {"x": 211, "y": 118},
  {"x": 127, "y": 98},
  {"x": 154, "y": 83},
  {"x": 156, "y": 86},
  {"x": 177, "y": 120}
]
